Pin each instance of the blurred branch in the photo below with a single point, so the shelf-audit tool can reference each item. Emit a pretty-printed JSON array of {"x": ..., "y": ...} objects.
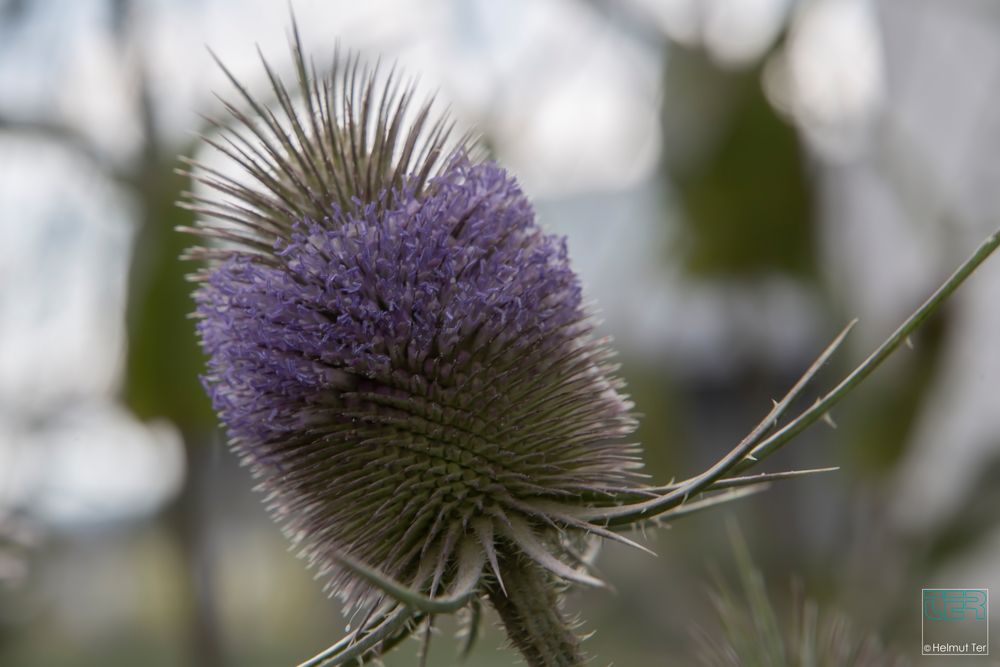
[
  {"x": 69, "y": 138},
  {"x": 130, "y": 43},
  {"x": 161, "y": 347},
  {"x": 123, "y": 29},
  {"x": 12, "y": 11},
  {"x": 630, "y": 17}
]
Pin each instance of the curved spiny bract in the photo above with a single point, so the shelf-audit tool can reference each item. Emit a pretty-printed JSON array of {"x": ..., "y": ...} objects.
[
  {"x": 403, "y": 359},
  {"x": 343, "y": 139}
]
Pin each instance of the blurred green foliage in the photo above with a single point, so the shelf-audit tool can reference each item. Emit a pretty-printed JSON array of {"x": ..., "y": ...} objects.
[
  {"x": 746, "y": 199},
  {"x": 164, "y": 360}
]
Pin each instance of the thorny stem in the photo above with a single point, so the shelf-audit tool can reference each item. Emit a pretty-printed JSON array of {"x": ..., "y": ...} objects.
[
  {"x": 823, "y": 405},
  {"x": 679, "y": 494},
  {"x": 755, "y": 447},
  {"x": 531, "y": 615}
]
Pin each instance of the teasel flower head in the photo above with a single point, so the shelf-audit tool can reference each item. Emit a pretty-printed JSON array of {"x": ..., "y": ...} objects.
[{"x": 403, "y": 358}]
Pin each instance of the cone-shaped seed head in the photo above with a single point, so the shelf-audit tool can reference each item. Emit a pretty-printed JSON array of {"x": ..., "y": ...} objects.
[{"x": 396, "y": 348}]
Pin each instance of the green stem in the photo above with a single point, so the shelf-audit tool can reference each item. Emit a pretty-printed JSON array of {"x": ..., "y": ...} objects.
[
  {"x": 756, "y": 447},
  {"x": 531, "y": 614},
  {"x": 350, "y": 650},
  {"x": 822, "y": 406}
]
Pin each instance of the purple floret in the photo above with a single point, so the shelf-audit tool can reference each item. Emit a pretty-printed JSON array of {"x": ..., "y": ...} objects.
[
  {"x": 419, "y": 287},
  {"x": 396, "y": 374}
]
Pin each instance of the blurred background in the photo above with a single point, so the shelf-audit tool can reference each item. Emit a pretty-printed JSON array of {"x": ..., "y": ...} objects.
[{"x": 737, "y": 179}]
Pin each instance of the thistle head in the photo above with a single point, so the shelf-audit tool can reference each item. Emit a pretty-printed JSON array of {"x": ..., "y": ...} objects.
[{"x": 402, "y": 356}]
